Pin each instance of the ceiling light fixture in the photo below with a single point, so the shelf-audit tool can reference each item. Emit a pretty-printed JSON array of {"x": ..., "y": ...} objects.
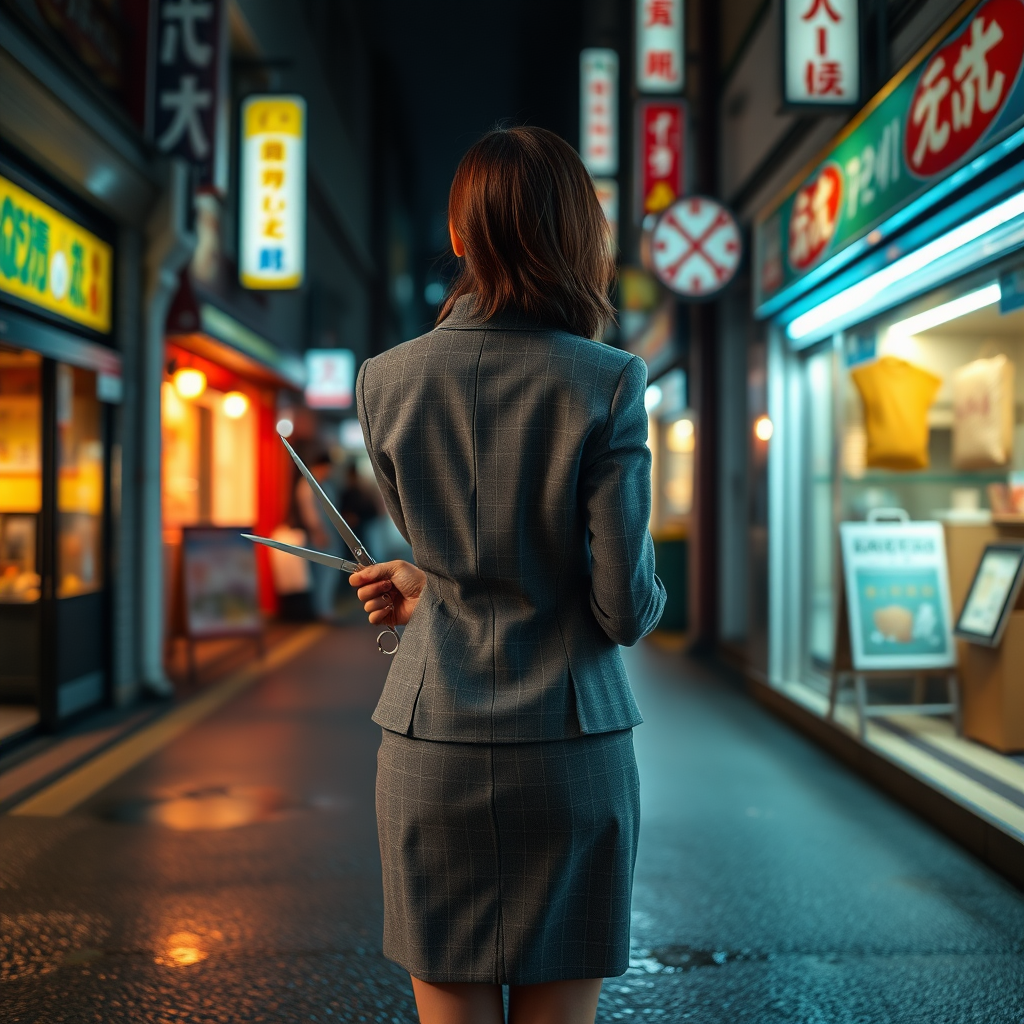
[
  {"x": 189, "y": 382},
  {"x": 235, "y": 405},
  {"x": 978, "y": 299}
]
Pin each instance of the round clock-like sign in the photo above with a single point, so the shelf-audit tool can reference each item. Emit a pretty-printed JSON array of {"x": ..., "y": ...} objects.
[{"x": 696, "y": 247}]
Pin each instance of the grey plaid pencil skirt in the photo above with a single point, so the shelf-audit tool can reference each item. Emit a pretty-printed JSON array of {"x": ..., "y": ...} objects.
[{"x": 508, "y": 863}]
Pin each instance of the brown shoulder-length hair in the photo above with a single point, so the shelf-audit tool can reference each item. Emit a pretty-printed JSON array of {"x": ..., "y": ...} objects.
[{"x": 536, "y": 240}]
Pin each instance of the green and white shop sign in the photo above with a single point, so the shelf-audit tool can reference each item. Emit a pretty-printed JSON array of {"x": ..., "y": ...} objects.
[{"x": 961, "y": 93}]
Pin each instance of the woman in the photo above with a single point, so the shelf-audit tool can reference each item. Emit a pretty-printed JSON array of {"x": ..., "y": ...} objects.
[{"x": 511, "y": 452}]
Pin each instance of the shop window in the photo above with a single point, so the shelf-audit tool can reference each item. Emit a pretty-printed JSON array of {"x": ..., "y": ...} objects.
[
  {"x": 20, "y": 474},
  {"x": 209, "y": 458},
  {"x": 820, "y": 549},
  {"x": 79, "y": 483},
  {"x": 940, "y": 347}
]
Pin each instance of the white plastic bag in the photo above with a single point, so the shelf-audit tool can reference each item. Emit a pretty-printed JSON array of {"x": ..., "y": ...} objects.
[{"x": 983, "y": 414}]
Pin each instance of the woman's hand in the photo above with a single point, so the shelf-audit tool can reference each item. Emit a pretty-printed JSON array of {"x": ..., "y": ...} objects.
[{"x": 385, "y": 586}]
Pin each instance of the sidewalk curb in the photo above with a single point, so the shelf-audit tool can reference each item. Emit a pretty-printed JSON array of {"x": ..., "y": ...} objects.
[
  {"x": 80, "y": 783},
  {"x": 989, "y": 843}
]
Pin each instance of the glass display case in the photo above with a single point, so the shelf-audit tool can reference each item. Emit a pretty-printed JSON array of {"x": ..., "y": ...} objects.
[
  {"x": 79, "y": 483},
  {"x": 20, "y": 474}
]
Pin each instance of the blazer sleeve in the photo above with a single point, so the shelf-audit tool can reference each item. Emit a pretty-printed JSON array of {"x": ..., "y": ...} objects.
[
  {"x": 626, "y": 596},
  {"x": 383, "y": 467}
]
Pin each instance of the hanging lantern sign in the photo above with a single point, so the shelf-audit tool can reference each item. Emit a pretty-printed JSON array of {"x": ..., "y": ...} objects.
[
  {"x": 599, "y": 102},
  {"x": 696, "y": 247},
  {"x": 273, "y": 200}
]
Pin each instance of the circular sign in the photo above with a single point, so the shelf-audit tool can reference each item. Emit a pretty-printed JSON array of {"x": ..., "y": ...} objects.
[{"x": 696, "y": 247}]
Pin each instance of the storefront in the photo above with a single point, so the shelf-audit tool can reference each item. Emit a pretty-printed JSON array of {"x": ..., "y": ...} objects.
[
  {"x": 60, "y": 374},
  {"x": 890, "y": 274},
  {"x": 222, "y": 461},
  {"x": 671, "y": 437}
]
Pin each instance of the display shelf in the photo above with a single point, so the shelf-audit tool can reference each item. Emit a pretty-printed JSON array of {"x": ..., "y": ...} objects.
[{"x": 886, "y": 476}]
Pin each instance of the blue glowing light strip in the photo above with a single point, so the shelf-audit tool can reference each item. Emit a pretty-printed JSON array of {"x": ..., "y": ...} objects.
[{"x": 891, "y": 225}]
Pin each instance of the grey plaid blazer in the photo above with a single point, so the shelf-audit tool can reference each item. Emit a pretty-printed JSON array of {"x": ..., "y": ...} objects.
[{"x": 514, "y": 460}]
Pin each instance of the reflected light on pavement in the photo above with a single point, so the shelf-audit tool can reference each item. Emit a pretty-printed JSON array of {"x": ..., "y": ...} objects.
[{"x": 182, "y": 949}]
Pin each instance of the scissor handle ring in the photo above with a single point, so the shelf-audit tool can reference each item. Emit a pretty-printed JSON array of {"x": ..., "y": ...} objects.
[{"x": 380, "y": 644}]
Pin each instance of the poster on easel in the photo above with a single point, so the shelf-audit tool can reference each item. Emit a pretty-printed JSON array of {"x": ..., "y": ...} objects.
[
  {"x": 221, "y": 593},
  {"x": 897, "y": 595}
]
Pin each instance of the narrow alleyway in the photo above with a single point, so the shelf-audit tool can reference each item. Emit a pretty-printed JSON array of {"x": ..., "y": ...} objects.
[{"x": 234, "y": 875}]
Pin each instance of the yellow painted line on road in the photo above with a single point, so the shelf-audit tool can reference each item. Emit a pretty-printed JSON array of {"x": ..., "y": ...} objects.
[{"x": 77, "y": 786}]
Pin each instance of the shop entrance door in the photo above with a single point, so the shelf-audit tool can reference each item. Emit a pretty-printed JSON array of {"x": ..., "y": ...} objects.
[{"x": 53, "y": 510}]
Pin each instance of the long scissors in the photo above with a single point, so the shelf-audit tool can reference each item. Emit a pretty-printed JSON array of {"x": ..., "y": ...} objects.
[{"x": 387, "y": 640}]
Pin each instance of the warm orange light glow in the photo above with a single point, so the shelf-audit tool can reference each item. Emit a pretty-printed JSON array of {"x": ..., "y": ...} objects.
[
  {"x": 763, "y": 428},
  {"x": 235, "y": 405},
  {"x": 182, "y": 949},
  {"x": 680, "y": 436},
  {"x": 189, "y": 382}
]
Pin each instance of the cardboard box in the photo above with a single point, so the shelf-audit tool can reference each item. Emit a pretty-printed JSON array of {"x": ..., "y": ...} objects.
[{"x": 993, "y": 690}]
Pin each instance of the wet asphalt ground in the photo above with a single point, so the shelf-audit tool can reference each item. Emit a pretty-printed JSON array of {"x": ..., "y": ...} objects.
[{"x": 234, "y": 876}]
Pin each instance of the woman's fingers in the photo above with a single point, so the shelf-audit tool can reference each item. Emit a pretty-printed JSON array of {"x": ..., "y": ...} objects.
[
  {"x": 370, "y": 574},
  {"x": 373, "y": 590},
  {"x": 377, "y": 604}
]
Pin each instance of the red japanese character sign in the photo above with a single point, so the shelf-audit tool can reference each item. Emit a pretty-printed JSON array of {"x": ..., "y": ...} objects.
[
  {"x": 964, "y": 87},
  {"x": 815, "y": 215},
  {"x": 660, "y": 154},
  {"x": 696, "y": 247}
]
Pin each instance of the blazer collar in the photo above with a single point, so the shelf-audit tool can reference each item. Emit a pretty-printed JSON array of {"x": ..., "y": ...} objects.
[{"x": 464, "y": 318}]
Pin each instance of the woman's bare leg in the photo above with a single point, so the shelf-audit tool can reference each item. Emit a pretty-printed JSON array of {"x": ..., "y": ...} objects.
[
  {"x": 459, "y": 1003},
  {"x": 555, "y": 1002}
]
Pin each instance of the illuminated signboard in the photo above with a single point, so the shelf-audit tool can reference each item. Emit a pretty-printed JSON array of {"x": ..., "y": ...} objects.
[
  {"x": 273, "y": 200},
  {"x": 822, "y": 52},
  {"x": 659, "y": 46},
  {"x": 931, "y": 119},
  {"x": 51, "y": 262},
  {"x": 599, "y": 92},
  {"x": 330, "y": 377},
  {"x": 661, "y": 130}
]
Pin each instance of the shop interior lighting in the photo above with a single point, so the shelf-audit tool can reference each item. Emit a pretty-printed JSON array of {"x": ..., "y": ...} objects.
[
  {"x": 652, "y": 397},
  {"x": 978, "y": 299},
  {"x": 680, "y": 436},
  {"x": 851, "y": 299},
  {"x": 763, "y": 428},
  {"x": 235, "y": 405},
  {"x": 189, "y": 382},
  {"x": 285, "y": 427}
]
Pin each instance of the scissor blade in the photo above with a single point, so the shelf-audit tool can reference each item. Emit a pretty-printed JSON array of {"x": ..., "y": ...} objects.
[
  {"x": 361, "y": 555},
  {"x": 308, "y": 553}
]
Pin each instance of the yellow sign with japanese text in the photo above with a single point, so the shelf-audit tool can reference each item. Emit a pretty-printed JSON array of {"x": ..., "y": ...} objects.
[
  {"x": 273, "y": 200},
  {"x": 51, "y": 262}
]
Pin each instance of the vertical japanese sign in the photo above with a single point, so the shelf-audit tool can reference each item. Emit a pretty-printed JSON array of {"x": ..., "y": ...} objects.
[
  {"x": 661, "y": 126},
  {"x": 660, "y": 55},
  {"x": 273, "y": 195},
  {"x": 607, "y": 191},
  {"x": 822, "y": 52},
  {"x": 48, "y": 261},
  {"x": 188, "y": 77},
  {"x": 599, "y": 99},
  {"x": 947, "y": 105}
]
